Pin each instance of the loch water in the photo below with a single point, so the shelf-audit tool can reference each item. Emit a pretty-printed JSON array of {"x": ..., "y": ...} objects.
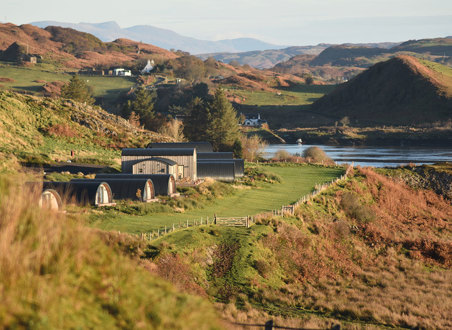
[{"x": 371, "y": 156}]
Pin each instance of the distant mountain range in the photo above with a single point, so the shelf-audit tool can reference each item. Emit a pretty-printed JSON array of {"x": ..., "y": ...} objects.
[
  {"x": 109, "y": 31},
  {"x": 268, "y": 58}
]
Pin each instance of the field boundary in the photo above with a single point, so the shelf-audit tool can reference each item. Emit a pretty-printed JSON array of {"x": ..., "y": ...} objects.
[{"x": 245, "y": 221}]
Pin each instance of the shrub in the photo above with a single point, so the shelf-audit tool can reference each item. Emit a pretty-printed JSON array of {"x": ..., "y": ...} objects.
[
  {"x": 282, "y": 155},
  {"x": 317, "y": 155},
  {"x": 354, "y": 208}
]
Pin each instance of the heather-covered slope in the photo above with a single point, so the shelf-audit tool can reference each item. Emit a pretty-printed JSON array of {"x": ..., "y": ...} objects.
[
  {"x": 400, "y": 91},
  {"x": 368, "y": 252},
  {"x": 77, "y": 49}
]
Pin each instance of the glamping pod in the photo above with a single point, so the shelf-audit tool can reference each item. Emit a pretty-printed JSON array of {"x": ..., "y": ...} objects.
[
  {"x": 215, "y": 155},
  {"x": 200, "y": 146},
  {"x": 164, "y": 184},
  {"x": 92, "y": 192},
  {"x": 217, "y": 169},
  {"x": 50, "y": 199},
  {"x": 184, "y": 158},
  {"x": 141, "y": 189},
  {"x": 156, "y": 165}
]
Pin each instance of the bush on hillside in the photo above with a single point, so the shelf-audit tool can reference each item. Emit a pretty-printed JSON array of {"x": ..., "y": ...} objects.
[
  {"x": 317, "y": 155},
  {"x": 352, "y": 206}
]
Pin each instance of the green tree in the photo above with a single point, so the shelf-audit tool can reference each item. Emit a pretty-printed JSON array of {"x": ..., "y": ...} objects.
[
  {"x": 197, "y": 122},
  {"x": 223, "y": 126},
  {"x": 77, "y": 90},
  {"x": 143, "y": 105}
]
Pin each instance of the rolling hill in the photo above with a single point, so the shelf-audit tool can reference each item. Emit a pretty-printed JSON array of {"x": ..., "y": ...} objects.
[
  {"x": 401, "y": 91},
  {"x": 76, "y": 49},
  {"x": 164, "y": 38},
  {"x": 44, "y": 130},
  {"x": 339, "y": 62}
]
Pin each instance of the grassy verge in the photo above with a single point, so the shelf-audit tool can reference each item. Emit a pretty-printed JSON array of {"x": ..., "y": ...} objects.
[{"x": 296, "y": 182}]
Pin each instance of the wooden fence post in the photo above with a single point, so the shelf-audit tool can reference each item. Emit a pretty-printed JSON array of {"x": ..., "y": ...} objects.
[
  {"x": 269, "y": 325},
  {"x": 215, "y": 219}
]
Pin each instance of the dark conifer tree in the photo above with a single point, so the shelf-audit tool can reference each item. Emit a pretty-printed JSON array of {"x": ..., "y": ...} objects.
[{"x": 77, "y": 90}]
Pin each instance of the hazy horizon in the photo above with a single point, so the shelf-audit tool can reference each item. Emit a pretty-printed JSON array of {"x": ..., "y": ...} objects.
[{"x": 291, "y": 22}]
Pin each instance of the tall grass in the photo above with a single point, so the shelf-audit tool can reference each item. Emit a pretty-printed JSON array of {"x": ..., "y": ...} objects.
[{"x": 55, "y": 273}]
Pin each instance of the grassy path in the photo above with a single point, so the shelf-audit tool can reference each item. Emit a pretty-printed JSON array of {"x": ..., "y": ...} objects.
[{"x": 296, "y": 182}]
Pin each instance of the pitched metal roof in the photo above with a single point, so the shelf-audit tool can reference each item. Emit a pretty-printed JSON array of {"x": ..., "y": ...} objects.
[
  {"x": 158, "y": 152},
  {"x": 200, "y": 146}
]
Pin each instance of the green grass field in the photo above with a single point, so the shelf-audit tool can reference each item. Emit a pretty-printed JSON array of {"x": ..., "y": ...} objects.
[
  {"x": 296, "y": 182},
  {"x": 296, "y": 95},
  {"x": 105, "y": 89}
]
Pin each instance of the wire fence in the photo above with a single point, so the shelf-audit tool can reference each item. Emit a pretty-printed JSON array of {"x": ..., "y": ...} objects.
[{"x": 247, "y": 221}]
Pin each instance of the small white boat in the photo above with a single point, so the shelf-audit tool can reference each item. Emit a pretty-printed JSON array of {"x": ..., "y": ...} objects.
[{"x": 299, "y": 141}]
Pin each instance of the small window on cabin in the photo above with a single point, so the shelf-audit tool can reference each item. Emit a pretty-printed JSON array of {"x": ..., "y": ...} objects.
[{"x": 140, "y": 170}]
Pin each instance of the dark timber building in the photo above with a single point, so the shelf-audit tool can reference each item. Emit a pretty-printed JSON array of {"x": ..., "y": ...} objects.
[{"x": 184, "y": 158}]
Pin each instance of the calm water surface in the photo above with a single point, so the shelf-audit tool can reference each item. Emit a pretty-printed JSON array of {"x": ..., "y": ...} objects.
[{"x": 372, "y": 156}]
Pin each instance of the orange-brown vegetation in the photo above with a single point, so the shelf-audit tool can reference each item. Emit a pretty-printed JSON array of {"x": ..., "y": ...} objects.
[
  {"x": 53, "y": 88},
  {"x": 57, "y": 43},
  {"x": 4, "y": 79},
  {"x": 368, "y": 251}
]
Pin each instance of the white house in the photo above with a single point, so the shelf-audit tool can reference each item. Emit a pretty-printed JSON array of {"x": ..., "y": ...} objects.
[
  {"x": 122, "y": 72},
  {"x": 148, "y": 68},
  {"x": 254, "y": 122}
]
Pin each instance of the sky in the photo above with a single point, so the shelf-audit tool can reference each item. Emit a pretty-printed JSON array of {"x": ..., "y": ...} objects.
[{"x": 282, "y": 22}]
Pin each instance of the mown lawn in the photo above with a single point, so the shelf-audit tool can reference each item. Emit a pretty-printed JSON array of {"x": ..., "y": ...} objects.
[{"x": 296, "y": 182}]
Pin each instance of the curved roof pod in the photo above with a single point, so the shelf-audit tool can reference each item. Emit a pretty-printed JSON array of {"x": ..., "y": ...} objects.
[
  {"x": 92, "y": 192},
  {"x": 50, "y": 199},
  {"x": 239, "y": 165},
  {"x": 215, "y": 155},
  {"x": 158, "y": 152},
  {"x": 164, "y": 184},
  {"x": 141, "y": 189},
  {"x": 200, "y": 146},
  {"x": 218, "y": 170}
]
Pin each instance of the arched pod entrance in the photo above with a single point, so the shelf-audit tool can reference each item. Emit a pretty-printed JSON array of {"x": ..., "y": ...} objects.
[{"x": 50, "y": 199}]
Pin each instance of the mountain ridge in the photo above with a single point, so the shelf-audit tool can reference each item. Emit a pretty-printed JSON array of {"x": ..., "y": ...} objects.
[{"x": 164, "y": 38}]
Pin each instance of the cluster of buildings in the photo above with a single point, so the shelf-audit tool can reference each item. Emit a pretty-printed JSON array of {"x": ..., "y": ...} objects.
[{"x": 147, "y": 173}]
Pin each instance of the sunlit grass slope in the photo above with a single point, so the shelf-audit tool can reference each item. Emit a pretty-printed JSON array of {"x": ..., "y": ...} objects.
[
  {"x": 56, "y": 273},
  {"x": 296, "y": 182}
]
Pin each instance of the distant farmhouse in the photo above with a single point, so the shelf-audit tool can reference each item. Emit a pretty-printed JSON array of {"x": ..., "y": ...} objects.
[
  {"x": 149, "y": 67},
  {"x": 254, "y": 122},
  {"x": 122, "y": 72}
]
